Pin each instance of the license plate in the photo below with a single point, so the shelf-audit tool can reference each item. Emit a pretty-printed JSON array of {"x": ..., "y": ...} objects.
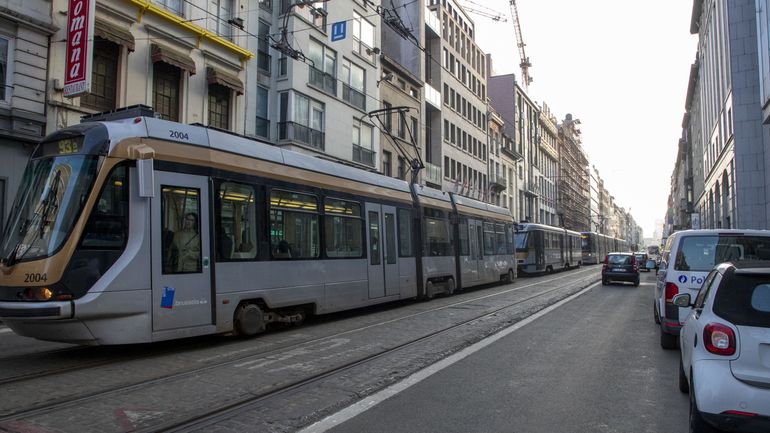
[{"x": 618, "y": 270}]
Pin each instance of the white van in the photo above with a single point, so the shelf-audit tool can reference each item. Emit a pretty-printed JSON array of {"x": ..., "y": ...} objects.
[{"x": 687, "y": 257}]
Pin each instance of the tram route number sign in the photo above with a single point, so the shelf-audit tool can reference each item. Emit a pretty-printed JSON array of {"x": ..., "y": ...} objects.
[{"x": 80, "y": 43}]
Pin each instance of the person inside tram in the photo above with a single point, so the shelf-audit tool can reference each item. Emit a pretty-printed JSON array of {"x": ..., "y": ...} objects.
[
  {"x": 284, "y": 250},
  {"x": 187, "y": 243}
]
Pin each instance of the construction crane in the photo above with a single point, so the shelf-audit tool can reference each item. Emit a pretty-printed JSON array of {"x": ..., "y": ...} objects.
[{"x": 525, "y": 64}]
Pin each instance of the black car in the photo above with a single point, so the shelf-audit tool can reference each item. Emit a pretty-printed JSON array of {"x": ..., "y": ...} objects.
[
  {"x": 620, "y": 267},
  {"x": 641, "y": 261}
]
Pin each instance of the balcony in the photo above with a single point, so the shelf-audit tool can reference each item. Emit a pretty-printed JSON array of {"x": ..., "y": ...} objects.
[
  {"x": 497, "y": 183},
  {"x": 323, "y": 81},
  {"x": 531, "y": 188},
  {"x": 432, "y": 96},
  {"x": 291, "y": 131},
  {"x": 432, "y": 24},
  {"x": 354, "y": 97},
  {"x": 433, "y": 174},
  {"x": 364, "y": 156},
  {"x": 511, "y": 153}
]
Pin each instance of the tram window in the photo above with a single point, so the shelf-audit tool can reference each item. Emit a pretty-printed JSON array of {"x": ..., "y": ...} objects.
[
  {"x": 500, "y": 238},
  {"x": 343, "y": 228},
  {"x": 464, "y": 241},
  {"x": 509, "y": 237},
  {"x": 294, "y": 225},
  {"x": 438, "y": 237},
  {"x": 107, "y": 226},
  {"x": 237, "y": 222},
  {"x": 374, "y": 238},
  {"x": 404, "y": 233},
  {"x": 390, "y": 238},
  {"x": 180, "y": 225},
  {"x": 489, "y": 239}
]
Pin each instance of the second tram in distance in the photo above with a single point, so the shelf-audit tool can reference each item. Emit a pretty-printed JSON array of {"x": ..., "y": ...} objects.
[{"x": 544, "y": 248}]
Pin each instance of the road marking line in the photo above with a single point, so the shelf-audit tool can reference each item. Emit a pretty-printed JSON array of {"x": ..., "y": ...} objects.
[{"x": 373, "y": 400}]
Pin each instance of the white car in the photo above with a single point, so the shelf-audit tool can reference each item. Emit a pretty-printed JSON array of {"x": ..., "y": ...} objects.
[
  {"x": 687, "y": 257},
  {"x": 725, "y": 349}
]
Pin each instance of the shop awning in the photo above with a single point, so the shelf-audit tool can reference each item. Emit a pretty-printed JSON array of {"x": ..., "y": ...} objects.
[
  {"x": 172, "y": 57},
  {"x": 114, "y": 34},
  {"x": 216, "y": 76}
]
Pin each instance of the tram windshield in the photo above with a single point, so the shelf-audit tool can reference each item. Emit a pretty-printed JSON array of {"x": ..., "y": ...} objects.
[
  {"x": 53, "y": 190},
  {"x": 521, "y": 241}
]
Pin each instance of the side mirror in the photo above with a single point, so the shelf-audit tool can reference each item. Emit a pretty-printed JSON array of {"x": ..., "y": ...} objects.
[{"x": 682, "y": 300}]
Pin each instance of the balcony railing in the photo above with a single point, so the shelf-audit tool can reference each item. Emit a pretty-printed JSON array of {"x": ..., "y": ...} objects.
[
  {"x": 364, "y": 156},
  {"x": 433, "y": 174},
  {"x": 432, "y": 96},
  {"x": 323, "y": 81},
  {"x": 354, "y": 97},
  {"x": 511, "y": 153},
  {"x": 295, "y": 132}
]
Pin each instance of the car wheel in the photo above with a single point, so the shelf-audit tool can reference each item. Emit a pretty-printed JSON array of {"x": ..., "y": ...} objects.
[
  {"x": 655, "y": 313},
  {"x": 667, "y": 341},
  {"x": 605, "y": 282},
  {"x": 683, "y": 385},
  {"x": 697, "y": 423},
  {"x": 636, "y": 282}
]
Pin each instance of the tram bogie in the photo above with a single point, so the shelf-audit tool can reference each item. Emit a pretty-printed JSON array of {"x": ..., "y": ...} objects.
[{"x": 230, "y": 235}]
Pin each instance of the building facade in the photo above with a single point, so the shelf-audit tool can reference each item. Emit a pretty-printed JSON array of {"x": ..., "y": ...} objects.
[
  {"x": 729, "y": 116},
  {"x": 548, "y": 157},
  {"x": 25, "y": 35},
  {"x": 572, "y": 203}
]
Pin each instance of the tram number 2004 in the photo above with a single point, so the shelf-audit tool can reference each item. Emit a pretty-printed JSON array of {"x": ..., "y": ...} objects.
[
  {"x": 179, "y": 135},
  {"x": 35, "y": 278}
]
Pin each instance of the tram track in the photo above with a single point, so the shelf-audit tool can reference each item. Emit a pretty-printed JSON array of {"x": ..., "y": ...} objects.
[{"x": 234, "y": 406}]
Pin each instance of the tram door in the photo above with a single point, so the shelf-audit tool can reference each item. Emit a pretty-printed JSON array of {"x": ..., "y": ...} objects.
[
  {"x": 181, "y": 275},
  {"x": 381, "y": 238},
  {"x": 475, "y": 237}
]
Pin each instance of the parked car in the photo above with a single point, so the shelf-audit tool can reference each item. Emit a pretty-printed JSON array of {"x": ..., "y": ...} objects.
[
  {"x": 620, "y": 267},
  {"x": 725, "y": 356},
  {"x": 687, "y": 257},
  {"x": 641, "y": 259}
]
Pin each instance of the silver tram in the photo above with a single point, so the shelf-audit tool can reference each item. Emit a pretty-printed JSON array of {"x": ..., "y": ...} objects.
[
  {"x": 142, "y": 230},
  {"x": 544, "y": 248}
]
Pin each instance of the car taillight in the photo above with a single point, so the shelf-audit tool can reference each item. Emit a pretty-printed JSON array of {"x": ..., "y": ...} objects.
[
  {"x": 606, "y": 260},
  {"x": 671, "y": 291},
  {"x": 719, "y": 339}
]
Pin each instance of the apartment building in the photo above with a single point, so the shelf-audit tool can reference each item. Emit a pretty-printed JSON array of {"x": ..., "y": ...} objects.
[
  {"x": 25, "y": 31},
  {"x": 462, "y": 116},
  {"x": 548, "y": 162},
  {"x": 572, "y": 198}
]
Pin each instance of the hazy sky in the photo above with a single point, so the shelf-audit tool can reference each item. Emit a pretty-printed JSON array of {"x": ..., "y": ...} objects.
[{"x": 619, "y": 66}]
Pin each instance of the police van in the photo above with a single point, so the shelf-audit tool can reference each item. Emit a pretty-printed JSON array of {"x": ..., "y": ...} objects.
[{"x": 687, "y": 258}]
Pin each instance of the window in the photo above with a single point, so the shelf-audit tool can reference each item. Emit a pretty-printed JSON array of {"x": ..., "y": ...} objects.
[
  {"x": 308, "y": 120},
  {"x": 489, "y": 239},
  {"x": 362, "y": 144},
  {"x": 500, "y": 239},
  {"x": 263, "y": 121},
  {"x": 390, "y": 238},
  {"x": 746, "y": 302},
  {"x": 464, "y": 241},
  {"x": 343, "y": 228},
  {"x": 314, "y": 13},
  {"x": 174, "y": 6},
  {"x": 104, "y": 76},
  {"x": 374, "y": 238},
  {"x": 404, "y": 233},
  {"x": 414, "y": 131},
  {"x": 180, "y": 225},
  {"x": 353, "y": 87},
  {"x": 107, "y": 227},
  {"x": 2, "y": 204},
  {"x": 388, "y": 116},
  {"x": 363, "y": 36},
  {"x": 387, "y": 163},
  {"x": 5, "y": 74},
  {"x": 219, "y": 106},
  {"x": 323, "y": 67},
  {"x": 236, "y": 222},
  {"x": 263, "y": 47},
  {"x": 219, "y": 14},
  {"x": 165, "y": 90},
  {"x": 401, "y": 167},
  {"x": 438, "y": 234},
  {"x": 401, "y": 132},
  {"x": 294, "y": 225}
]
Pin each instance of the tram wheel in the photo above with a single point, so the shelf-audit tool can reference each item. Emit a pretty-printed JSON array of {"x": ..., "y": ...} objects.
[
  {"x": 450, "y": 287},
  {"x": 430, "y": 291},
  {"x": 249, "y": 320},
  {"x": 510, "y": 276}
]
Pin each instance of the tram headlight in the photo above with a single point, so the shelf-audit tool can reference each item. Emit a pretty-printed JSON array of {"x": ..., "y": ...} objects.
[{"x": 38, "y": 294}]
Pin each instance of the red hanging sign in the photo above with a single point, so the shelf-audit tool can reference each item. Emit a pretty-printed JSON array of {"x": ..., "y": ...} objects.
[{"x": 80, "y": 42}]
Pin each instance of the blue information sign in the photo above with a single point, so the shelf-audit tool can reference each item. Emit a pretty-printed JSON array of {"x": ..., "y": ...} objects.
[{"x": 339, "y": 30}]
